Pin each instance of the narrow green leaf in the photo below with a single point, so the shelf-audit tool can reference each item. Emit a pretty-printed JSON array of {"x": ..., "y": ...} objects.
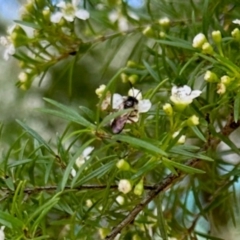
[
  {"x": 28, "y": 24},
  {"x": 236, "y": 107},
  {"x": 140, "y": 143},
  {"x": 36, "y": 136},
  {"x": 72, "y": 162},
  {"x": 10, "y": 221},
  {"x": 151, "y": 71},
  {"x": 199, "y": 134},
  {"x": 182, "y": 167},
  {"x": 179, "y": 44},
  {"x": 67, "y": 113},
  {"x": 148, "y": 166},
  {"x": 160, "y": 218},
  {"x": 96, "y": 173},
  {"x": 109, "y": 117}
]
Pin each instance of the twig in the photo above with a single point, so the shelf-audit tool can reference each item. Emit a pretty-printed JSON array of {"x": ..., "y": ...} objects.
[{"x": 54, "y": 188}]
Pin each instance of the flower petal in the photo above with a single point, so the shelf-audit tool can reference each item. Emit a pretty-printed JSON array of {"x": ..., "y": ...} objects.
[
  {"x": 135, "y": 93},
  {"x": 144, "y": 105},
  {"x": 195, "y": 93},
  {"x": 62, "y": 4},
  {"x": 117, "y": 101},
  {"x": 186, "y": 89},
  {"x": 56, "y": 17},
  {"x": 82, "y": 14},
  {"x": 87, "y": 151},
  {"x": 73, "y": 172}
]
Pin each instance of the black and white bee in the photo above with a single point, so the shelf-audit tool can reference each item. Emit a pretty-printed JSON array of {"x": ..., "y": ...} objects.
[{"x": 134, "y": 101}]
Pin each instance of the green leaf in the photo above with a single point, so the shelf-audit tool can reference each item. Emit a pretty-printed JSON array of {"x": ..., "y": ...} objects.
[
  {"x": 140, "y": 143},
  {"x": 151, "y": 71},
  {"x": 182, "y": 167},
  {"x": 180, "y": 151},
  {"x": 66, "y": 113},
  {"x": 111, "y": 116},
  {"x": 148, "y": 166},
  {"x": 179, "y": 43},
  {"x": 36, "y": 136},
  {"x": 236, "y": 107},
  {"x": 199, "y": 133},
  {"x": 72, "y": 162},
  {"x": 28, "y": 24},
  {"x": 10, "y": 221},
  {"x": 96, "y": 173}
]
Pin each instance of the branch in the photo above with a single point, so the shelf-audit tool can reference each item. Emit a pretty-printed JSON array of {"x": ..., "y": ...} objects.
[{"x": 170, "y": 179}]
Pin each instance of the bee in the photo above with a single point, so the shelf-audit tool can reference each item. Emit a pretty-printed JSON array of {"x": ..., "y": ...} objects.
[{"x": 118, "y": 123}]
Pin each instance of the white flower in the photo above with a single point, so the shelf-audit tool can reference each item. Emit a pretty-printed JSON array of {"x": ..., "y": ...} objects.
[
  {"x": 184, "y": 95},
  {"x": 2, "y": 235},
  {"x": 199, "y": 40},
  {"x": 82, "y": 159},
  {"x": 124, "y": 186},
  {"x": 9, "y": 47},
  {"x": 69, "y": 11},
  {"x": 236, "y": 21}
]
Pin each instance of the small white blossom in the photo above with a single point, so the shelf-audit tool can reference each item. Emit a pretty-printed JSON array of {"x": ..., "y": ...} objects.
[
  {"x": 2, "y": 234},
  {"x": 236, "y": 21},
  {"x": 9, "y": 47},
  {"x": 184, "y": 95},
  {"x": 124, "y": 186},
  {"x": 221, "y": 88},
  {"x": 69, "y": 11},
  {"x": 89, "y": 203},
  {"x": 82, "y": 159}
]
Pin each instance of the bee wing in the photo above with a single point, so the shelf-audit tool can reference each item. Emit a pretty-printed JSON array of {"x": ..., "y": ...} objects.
[{"x": 118, "y": 124}]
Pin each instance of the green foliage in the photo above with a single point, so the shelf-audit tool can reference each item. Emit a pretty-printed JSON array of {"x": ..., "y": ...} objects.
[{"x": 68, "y": 186}]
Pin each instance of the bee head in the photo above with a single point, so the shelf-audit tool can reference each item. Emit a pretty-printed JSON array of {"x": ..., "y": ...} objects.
[{"x": 130, "y": 102}]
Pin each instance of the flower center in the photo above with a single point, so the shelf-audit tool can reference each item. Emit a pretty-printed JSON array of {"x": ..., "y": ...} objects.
[{"x": 69, "y": 9}]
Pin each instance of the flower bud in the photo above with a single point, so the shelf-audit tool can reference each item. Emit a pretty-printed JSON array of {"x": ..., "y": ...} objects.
[
  {"x": 23, "y": 77},
  {"x": 225, "y": 80},
  {"x": 167, "y": 108},
  {"x": 207, "y": 48},
  {"x": 133, "y": 78},
  {"x": 46, "y": 14},
  {"x": 30, "y": 7},
  {"x": 99, "y": 91},
  {"x": 217, "y": 37},
  {"x": 124, "y": 186},
  {"x": 210, "y": 77},
  {"x": 221, "y": 88},
  {"x": 193, "y": 121},
  {"x": 199, "y": 40},
  {"x": 138, "y": 189},
  {"x": 89, "y": 203},
  {"x": 103, "y": 232},
  {"x": 120, "y": 199},
  {"x": 18, "y": 36},
  {"x": 124, "y": 77},
  {"x": 132, "y": 64},
  {"x": 162, "y": 34},
  {"x": 123, "y": 165},
  {"x": 236, "y": 34},
  {"x": 181, "y": 140},
  {"x": 148, "y": 32},
  {"x": 164, "y": 22}
]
